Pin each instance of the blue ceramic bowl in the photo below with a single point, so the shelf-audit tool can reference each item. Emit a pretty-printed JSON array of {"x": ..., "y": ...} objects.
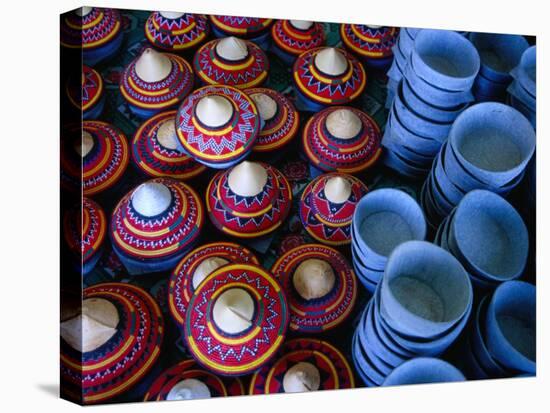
[
  {"x": 526, "y": 72},
  {"x": 383, "y": 219},
  {"x": 511, "y": 326},
  {"x": 479, "y": 348},
  {"x": 435, "y": 96},
  {"x": 439, "y": 195},
  {"x": 425, "y": 291},
  {"x": 493, "y": 141},
  {"x": 488, "y": 89},
  {"x": 415, "y": 122},
  {"x": 404, "y": 166},
  {"x": 516, "y": 89},
  {"x": 365, "y": 364},
  {"x": 358, "y": 367},
  {"x": 393, "y": 143},
  {"x": 491, "y": 236},
  {"x": 445, "y": 59},
  {"x": 426, "y": 110},
  {"x": 423, "y": 370},
  {"x": 367, "y": 283},
  {"x": 422, "y": 145},
  {"x": 394, "y": 73},
  {"x": 523, "y": 108},
  {"x": 452, "y": 192},
  {"x": 499, "y": 54}
]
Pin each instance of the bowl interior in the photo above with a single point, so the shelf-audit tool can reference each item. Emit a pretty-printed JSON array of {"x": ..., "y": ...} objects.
[
  {"x": 387, "y": 218},
  {"x": 429, "y": 282},
  {"x": 447, "y": 53},
  {"x": 493, "y": 137},
  {"x": 491, "y": 235},
  {"x": 499, "y": 52}
]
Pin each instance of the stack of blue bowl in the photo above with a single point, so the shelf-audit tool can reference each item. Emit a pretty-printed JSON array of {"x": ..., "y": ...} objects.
[
  {"x": 401, "y": 52},
  {"x": 423, "y": 370},
  {"x": 488, "y": 147},
  {"x": 489, "y": 238},
  {"x": 382, "y": 220},
  {"x": 522, "y": 92},
  {"x": 502, "y": 338},
  {"x": 499, "y": 54},
  {"x": 435, "y": 89},
  {"x": 418, "y": 310}
]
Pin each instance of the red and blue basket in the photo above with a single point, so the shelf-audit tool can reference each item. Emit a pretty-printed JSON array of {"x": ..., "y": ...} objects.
[
  {"x": 249, "y": 216},
  {"x": 281, "y": 128},
  {"x": 316, "y": 90},
  {"x": 373, "y": 45},
  {"x": 189, "y": 369},
  {"x": 157, "y": 243},
  {"x": 98, "y": 34},
  {"x": 326, "y": 221},
  {"x": 180, "y": 287},
  {"x": 108, "y": 159},
  {"x": 122, "y": 363},
  {"x": 154, "y": 159},
  {"x": 86, "y": 93},
  {"x": 335, "y": 371},
  {"x": 289, "y": 42},
  {"x": 84, "y": 229},
  {"x": 212, "y": 69},
  {"x": 324, "y": 313},
  {"x": 242, "y": 353},
  {"x": 223, "y": 146},
  {"x": 250, "y": 28},
  {"x": 176, "y": 34},
  {"x": 146, "y": 99},
  {"x": 329, "y": 153}
]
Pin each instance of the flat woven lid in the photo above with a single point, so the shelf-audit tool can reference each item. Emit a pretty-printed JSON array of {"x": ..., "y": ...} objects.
[
  {"x": 331, "y": 153},
  {"x": 324, "y": 219},
  {"x": 279, "y": 128},
  {"x": 85, "y": 228},
  {"x": 322, "y": 87},
  {"x": 92, "y": 30},
  {"x": 333, "y": 369},
  {"x": 190, "y": 370},
  {"x": 128, "y": 355},
  {"x": 371, "y": 42},
  {"x": 244, "y": 349},
  {"x": 213, "y": 69},
  {"x": 157, "y": 95},
  {"x": 249, "y": 216},
  {"x": 106, "y": 156},
  {"x": 86, "y": 91},
  {"x": 180, "y": 288},
  {"x": 294, "y": 40},
  {"x": 171, "y": 230},
  {"x": 240, "y": 26},
  {"x": 155, "y": 149},
  {"x": 326, "y": 312},
  {"x": 180, "y": 33},
  {"x": 223, "y": 145}
]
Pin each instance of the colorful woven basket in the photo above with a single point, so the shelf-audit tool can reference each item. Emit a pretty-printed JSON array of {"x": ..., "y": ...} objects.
[
  {"x": 105, "y": 162},
  {"x": 161, "y": 239},
  {"x": 221, "y": 146},
  {"x": 125, "y": 359},
  {"x": 246, "y": 351},
  {"x": 290, "y": 42},
  {"x": 176, "y": 33},
  {"x": 86, "y": 94},
  {"x": 334, "y": 370},
  {"x": 84, "y": 229},
  {"x": 281, "y": 126},
  {"x": 97, "y": 31},
  {"x": 189, "y": 369},
  {"x": 180, "y": 289},
  {"x": 155, "y": 149},
  {"x": 324, "y": 313},
  {"x": 373, "y": 45},
  {"x": 249, "y": 216},
  {"x": 212, "y": 69},
  {"x": 330, "y": 153},
  {"x": 327, "y": 221},
  {"x": 148, "y": 98},
  {"x": 251, "y": 28},
  {"x": 321, "y": 89}
]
